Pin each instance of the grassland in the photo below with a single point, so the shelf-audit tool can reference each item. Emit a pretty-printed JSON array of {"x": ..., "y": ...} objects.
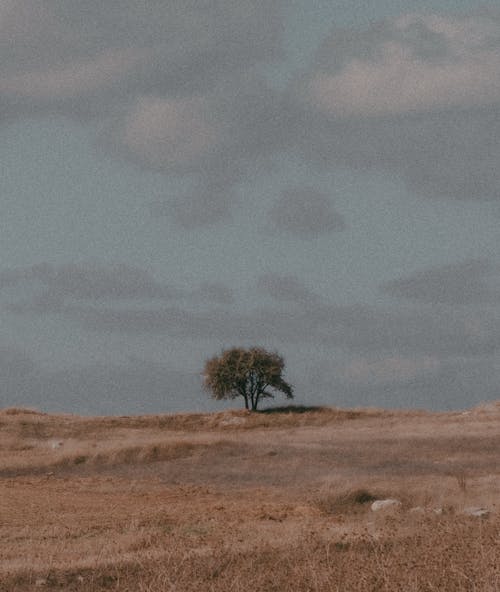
[{"x": 236, "y": 501}]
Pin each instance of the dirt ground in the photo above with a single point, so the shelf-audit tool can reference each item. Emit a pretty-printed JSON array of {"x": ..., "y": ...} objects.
[{"x": 250, "y": 501}]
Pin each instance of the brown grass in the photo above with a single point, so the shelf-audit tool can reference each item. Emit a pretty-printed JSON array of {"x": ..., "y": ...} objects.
[{"x": 239, "y": 501}]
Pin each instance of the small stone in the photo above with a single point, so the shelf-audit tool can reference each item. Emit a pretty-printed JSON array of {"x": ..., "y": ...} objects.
[
  {"x": 41, "y": 582},
  {"x": 477, "y": 512},
  {"x": 417, "y": 510},
  {"x": 233, "y": 421},
  {"x": 385, "y": 504},
  {"x": 438, "y": 511}
]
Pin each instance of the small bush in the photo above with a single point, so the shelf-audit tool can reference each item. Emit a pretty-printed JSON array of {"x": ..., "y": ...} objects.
[{"x": 345, "y": 502}]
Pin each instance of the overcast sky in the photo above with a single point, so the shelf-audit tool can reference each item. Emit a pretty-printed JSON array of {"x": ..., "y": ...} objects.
[{"x": 319, "y": 177}]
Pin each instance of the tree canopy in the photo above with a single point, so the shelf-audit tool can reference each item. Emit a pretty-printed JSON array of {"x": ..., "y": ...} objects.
[{"x": 249, "y": 373}]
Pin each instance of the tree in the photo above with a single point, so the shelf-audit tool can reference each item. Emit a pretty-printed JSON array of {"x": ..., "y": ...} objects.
[{"x": 247, "y": 373}]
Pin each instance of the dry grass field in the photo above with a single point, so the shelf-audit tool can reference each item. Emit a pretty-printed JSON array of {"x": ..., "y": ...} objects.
[{"x": 236, "y": 501}]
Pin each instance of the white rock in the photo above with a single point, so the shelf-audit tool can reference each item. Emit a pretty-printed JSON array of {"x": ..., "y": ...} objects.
[
  {"x": 233, "y": 421},
  {"x": 385, "y": 504},
  {"x": 438, "y": 511},
  {"x": 478, "y": 512},
  {"x": 417, "y": 510},
  {"x": 55, "y": 444},
  {"x": 41, "y": 582}
]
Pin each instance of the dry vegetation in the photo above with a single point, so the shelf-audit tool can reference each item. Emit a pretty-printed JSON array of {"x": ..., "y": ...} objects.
[{"x": 236, "y": 501}]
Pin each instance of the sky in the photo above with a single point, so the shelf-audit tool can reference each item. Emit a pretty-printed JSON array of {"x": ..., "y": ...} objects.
[{"x": 320, "y": 178}]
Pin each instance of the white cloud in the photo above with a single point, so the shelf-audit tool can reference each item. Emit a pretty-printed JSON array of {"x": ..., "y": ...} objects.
[
  {"x": 418, "y": 96},
  {"x": 401, "y": 84},
  {"x": 169, "y": 133},
  {"x": 401, "y": 74}
]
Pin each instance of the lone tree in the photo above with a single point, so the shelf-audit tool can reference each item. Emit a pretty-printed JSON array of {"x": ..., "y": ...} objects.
[{"x": 247, "y": 373}]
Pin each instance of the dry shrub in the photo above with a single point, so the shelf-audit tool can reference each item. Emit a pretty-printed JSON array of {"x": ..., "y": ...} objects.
[
  {"x": 345, "y": 502},
  {"x": 460, "y": 476},
  {"x": 20, "y": 411}
]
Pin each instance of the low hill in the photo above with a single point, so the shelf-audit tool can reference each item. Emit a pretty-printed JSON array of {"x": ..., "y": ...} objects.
[{"x": 276, "y": 500}]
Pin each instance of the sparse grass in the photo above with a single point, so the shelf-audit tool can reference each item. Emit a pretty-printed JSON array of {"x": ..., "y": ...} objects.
[
  {"x": 278, "y": 500},
  {"x": 448, "y": 556}
]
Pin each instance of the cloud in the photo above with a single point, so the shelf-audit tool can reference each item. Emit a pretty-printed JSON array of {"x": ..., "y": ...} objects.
[
  {"x": 214, "y": 141},
  {"x": 169, "y": 134},
  {"x": 305, "y": 213},
  {"x": 120, "y": 298},
  {"x": 454, "y": 284},
  {"x": 90, "y": 281},
  {"x": 411, "y": 331},
  {"x": 80, "y": 78},
  {"x": 418, "y": 96},
  {"x": 214, "y": 292},
  {"x": 356, "y": 329},
  {"x": 170, "y": 86},
  {"x": 174, "y": 87},
  {"x": 409, "y": 64},
  {"x": 175, "y": 46},
  {"x": 286, "y": 288},
  {"x": 62, "y": 288}
]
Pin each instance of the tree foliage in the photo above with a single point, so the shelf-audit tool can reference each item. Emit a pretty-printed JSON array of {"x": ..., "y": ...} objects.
[{"x": 249, "y": 373}]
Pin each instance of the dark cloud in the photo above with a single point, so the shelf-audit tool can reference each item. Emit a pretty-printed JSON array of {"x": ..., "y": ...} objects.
[
  {"x": 305, "y": 213},
  {"x": 456, "y": 283},
  {"x": 213, "y": 292},
  {"x": 286, "y": 288},
  {"x": 123, "y": 298},
  {"x": 63, "y": 57},
  {"x": 58, "y": 287},
  {"x": 90, "y": 281},
  {"x": 355, "y": 328}
]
